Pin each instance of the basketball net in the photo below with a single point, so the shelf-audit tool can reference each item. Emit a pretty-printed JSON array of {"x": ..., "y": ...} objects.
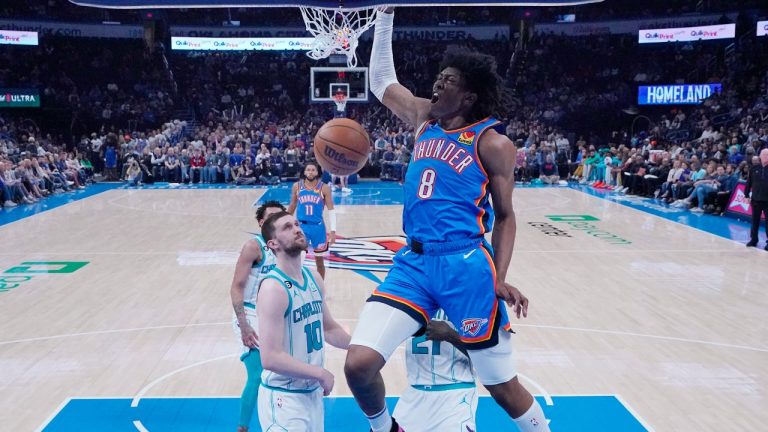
[
  {"x": 336, "y": 30},
  {"x": 340, "y": 99}
]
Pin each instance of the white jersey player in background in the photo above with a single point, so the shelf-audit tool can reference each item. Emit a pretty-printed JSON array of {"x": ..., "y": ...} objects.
[
  {"x": 442, "y": 395},
  {"x": 254, "y": 262},
  {"x": 293, "y": 328}
]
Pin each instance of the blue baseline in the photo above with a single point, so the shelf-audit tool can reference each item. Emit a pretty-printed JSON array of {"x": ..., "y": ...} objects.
[{"x": 599, "y": 413}]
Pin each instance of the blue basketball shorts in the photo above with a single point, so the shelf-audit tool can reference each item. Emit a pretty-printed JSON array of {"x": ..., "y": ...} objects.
[
  {"x": 462, "y": 283},
  {"x": 317, "y": 238}
]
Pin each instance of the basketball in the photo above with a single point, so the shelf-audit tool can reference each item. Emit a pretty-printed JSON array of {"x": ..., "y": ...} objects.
[{"x": 342, "y": 146}]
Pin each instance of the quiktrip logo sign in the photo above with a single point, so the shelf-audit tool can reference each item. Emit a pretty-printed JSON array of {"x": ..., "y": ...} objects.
[
  {"x": 9, "y": 37},
  {"x": 687, "y": 34},
  {"x": 241, "y": 44},
  {"x": 762, "y": 28},
  {"x": 738, "y": 203}
]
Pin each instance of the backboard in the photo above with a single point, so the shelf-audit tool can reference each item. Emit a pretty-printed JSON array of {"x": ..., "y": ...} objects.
[{"x": 324, "y": 82}]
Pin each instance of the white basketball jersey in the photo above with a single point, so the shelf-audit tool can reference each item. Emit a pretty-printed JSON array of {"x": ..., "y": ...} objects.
[
  {"x": 259, "y": 270},
  {"x": 303, "y": 330},
  {"x": 432, "y": 363}
]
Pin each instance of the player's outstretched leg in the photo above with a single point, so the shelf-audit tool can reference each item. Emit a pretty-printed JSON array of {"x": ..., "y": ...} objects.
[
  {"x": 380, "y": 330},
  {"x": 496, "y": 371}
]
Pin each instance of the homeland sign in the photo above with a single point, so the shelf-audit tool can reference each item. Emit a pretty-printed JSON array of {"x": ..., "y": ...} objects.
[
  {"x": 19, "y": 98},
  {"x": 687, "y": 34},
  {"x": 9, "y": 37},
  {"x": 50, "y": 28},
  {"x": 241, "y": 44},
  {"x": 683, "y": 94},
  {"x": 738, "y": 204}
]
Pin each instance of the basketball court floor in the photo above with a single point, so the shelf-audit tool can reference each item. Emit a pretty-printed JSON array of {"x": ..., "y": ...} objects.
[{"x": 116, "y": 313}]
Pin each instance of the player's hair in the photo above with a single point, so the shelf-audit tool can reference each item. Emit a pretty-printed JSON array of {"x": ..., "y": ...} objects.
[
  {"x": 263, "y": 208},
  {"x": 268, "y": 228},
  {"x": 317, "y": 166},
  {"x": 480, "y": 76}
]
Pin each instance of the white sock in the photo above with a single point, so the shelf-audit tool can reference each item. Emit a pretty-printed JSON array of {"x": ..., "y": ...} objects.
[
  {"x": 381, "y": 421},
  {"x": 533, "y": 420}
]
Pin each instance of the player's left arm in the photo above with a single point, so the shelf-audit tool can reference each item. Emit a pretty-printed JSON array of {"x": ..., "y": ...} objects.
[
  {"x": 333, "y": 332},
  {"x": 331, "y": 213},
  {"x": 499, "y": 155},
  {"x": 441, "y": 331},
  {"x": 294, "y": 198}
]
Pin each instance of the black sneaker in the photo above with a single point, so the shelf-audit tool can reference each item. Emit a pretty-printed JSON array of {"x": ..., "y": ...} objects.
[
  {"x": 395, "y": 427},
  {"x": 752, "y": 243},
  {"x": 766, "y": 247}
]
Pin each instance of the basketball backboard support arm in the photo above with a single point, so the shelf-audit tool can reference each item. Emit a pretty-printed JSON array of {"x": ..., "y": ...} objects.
[{"x": 325, "y": 4}]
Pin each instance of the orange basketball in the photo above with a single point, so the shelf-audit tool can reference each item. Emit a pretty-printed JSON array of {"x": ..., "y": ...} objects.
[{"x": 342, "y": 146}]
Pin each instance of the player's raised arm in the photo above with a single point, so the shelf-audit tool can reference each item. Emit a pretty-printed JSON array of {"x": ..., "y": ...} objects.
[
  {"x": 383, "y": 78},
  {"x": 333, "y": 333},
  {"x": 250, "y": 253},
  {"x": 294, "y": 197}
]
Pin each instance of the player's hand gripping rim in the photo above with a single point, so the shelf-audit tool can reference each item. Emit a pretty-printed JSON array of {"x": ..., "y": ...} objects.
[{"x": 514, "y": 298}]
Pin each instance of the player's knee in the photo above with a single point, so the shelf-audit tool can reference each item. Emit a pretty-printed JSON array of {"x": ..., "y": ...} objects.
[
  {"x": 495, "y": 365},
  {"x": 362, "y": 364}
]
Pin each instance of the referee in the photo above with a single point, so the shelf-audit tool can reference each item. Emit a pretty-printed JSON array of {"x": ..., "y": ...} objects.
[{"x": 757, "y": 195}]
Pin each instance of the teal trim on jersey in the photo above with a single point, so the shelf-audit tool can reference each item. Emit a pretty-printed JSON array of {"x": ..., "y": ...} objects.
[
  {"x": 282, "y": 282},
  {"x": 444, "y": 387},
  {"x": 308, "y": 275},
  {"x": 249, "y": 305},
  {"x": 274, "y": 417},
  {"x": 296, "y": 283},
  {"x": 263, "y": 246},
  {"x": 284, "y": 390}
]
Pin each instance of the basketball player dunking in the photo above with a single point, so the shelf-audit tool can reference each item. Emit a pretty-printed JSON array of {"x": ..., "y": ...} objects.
[
  {"x": 458, "y": 162},
  {"x": 254, "y": 262},
  {"x": 309, "y": 196},
  {"x": 294, "y": 325},
  {"x": 442, "y": 395}
]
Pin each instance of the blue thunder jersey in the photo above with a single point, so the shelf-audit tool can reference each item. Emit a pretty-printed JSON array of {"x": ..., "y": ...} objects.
[
  {"x": 310, "y": 203},
  {"x": 446, "y": 186},
  {"x": 433, "y": 363},
  {"x": 303, "y": 331}
]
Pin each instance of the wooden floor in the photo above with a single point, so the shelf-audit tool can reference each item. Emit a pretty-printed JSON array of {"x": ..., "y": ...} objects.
[{"x": 673, "y": 319}]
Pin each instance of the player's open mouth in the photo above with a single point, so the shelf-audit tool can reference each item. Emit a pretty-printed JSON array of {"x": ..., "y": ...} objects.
[{"x": 435, "y": 97}]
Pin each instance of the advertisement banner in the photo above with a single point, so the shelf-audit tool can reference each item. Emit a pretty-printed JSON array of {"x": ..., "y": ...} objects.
[
  {"x": 676, "y": 94},
  {"x": 687, "y": 34},
  {"x": 240, "y": 44},
  {"x": 738, "y": 203},
  {"x": 19, "y": 98},
  {"x": 630, "y": 26},
  {"x": 49, "y": 28},
  {"x": 435, "y": 33},
  {"x": 9, "y": 37},
  {"x": 762, "y": 28}
]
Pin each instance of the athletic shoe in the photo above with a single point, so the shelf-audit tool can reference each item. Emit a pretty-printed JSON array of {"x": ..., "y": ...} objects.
[
  {"x": 395, "y": 427},
  {"x": 697, "y": 210},
  {"x": 9, "y": 203},
  {"x": 753, "y": 243},
  {"x": 766, "y": 247}
]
